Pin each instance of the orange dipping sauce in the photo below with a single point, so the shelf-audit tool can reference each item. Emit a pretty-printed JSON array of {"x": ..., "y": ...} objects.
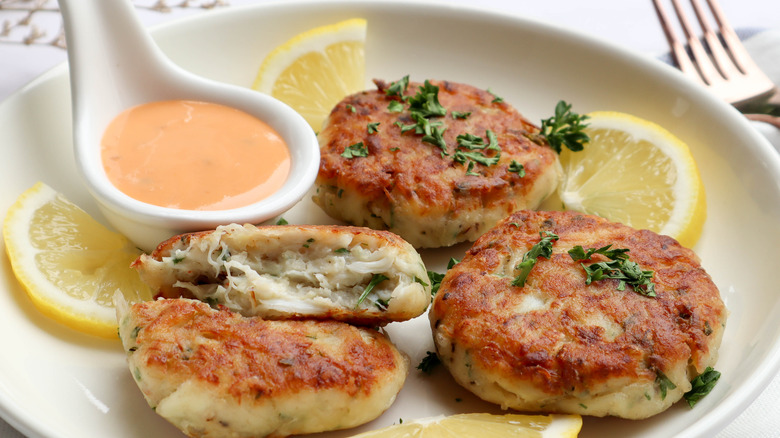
[{"x": 194, "y": 155}]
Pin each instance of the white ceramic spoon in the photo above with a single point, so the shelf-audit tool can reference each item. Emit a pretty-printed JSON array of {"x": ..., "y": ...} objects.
[{"x": 114, "y": 65}]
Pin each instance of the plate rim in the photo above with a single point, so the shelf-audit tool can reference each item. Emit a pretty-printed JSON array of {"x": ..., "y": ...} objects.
[{"x": 715, "y": 420}]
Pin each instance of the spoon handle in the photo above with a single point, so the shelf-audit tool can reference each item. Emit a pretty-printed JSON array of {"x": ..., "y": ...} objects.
[{"x": 110, "y": 53}]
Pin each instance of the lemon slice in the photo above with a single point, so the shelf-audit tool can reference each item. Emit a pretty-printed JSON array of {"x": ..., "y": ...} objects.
[
  {"x": 69, "y": 264},
  {"x": 314, "y": 70},
  {"x": 484, "y": 426},
  {"x": 635, "y": 172}
]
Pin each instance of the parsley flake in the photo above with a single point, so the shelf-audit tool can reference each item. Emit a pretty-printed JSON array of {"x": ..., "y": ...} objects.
[
  {"x": 664, "y": 384},
  {"x": 398, "y": 88},
  {"x": 542, "y": 249},
  {"x": 517, "y": 168},
  {"x": 470, "y": 141},
  {"x": 372, "y": 127},
  {"x": 355, "y": 150},
  {"x": 426, "y": 101},
  {"x": 618, "y": 268},
  {"x": 460, "y": 115},
  {"x": 429, "y": 362},
  {"x": 701, "y": 385},
  {"x": 395, "y": 106},
  {"x": 464, "y": 156},
  {"x": 496, "y": 98},
  {"x": 436, "y": 278},
  {"x": 375, "y": 279}
]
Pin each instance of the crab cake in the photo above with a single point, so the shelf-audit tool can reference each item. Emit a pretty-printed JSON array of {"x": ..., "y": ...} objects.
[
  {"x": 558, "y": 344},
  {"x": 436, "y": 180},
  {"x": 344, "y": 273},
  {"x": 215, "y": 373}
]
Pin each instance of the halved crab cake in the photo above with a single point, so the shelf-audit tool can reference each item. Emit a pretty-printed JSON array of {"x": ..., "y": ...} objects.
[
  {"x": 215, "y": 373},
  {"x": 396, "y": 163},
  {"x": 558, "y": 344},
  {"x": 344, "y": 273}
]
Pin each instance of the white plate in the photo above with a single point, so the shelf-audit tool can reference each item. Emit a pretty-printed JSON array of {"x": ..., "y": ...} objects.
[{"x": 58, "y": 383}]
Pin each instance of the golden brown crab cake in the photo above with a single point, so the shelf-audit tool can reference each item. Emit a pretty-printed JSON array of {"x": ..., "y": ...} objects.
[
  {"x": 432, "y": 192},
  {"x": 344, "y": 273},
  {"x": 215, "y": 373},
  {"x": 558, "y": 344}
]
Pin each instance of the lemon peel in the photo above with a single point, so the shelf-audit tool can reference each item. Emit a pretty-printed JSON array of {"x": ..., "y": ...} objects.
[
  {"x": 635, "y": 172},
  {"x": 69, "y": 264},
  {"x": 315, "y": 69}
]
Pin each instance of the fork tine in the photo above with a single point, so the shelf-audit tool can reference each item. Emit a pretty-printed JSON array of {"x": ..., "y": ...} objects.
[
  {"x": 702, "y": 60},
  {"x": 730, "y": 38},
  {"x": 727, "y": 65},
  {"x": 678, "y": 49},
  {"x": 726, "y": 68}
]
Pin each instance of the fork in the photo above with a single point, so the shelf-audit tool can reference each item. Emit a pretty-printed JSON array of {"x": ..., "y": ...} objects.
[{"x": 722, "y": 63}]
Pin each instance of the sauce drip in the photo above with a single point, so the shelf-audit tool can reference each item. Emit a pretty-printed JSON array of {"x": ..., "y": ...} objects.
[{"x": 194, "y": 155}]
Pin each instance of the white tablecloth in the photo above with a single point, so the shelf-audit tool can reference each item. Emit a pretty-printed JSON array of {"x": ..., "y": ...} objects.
[{"x": 631, "y": 23}]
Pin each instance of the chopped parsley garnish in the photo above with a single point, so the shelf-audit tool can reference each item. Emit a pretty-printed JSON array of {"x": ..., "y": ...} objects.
[
  {"x": 281, "y": 221},
  {"x": 351, "y": 108},
  {"x": 565, "y": 128},
  {"x": 542, "y": 249},
  {"x": 618, "y": 268},
  {"x": 474, "y": 143},
  {"x": 436, "y": 278},
  {"x": 664, "y": 383},
  {"x": 372, "y": 127},
  {"x": 470, "y": 141},
  {"x": 382, "y": 304},
  {"x": 398, "y": 88},
  {"x": 460, "y": 115},
  {"x": 436, "y": 138},
  {"x": 342, "y": 251},
  {"x": 701, "y": 386},
  {"x": 478, "y": 157},
  {"x": 355, "y": 150},
  {"x": 429, "y": 362},
  {"x": 426, "y": 101},
  {"x": 424, "y": 106},
  {"x": 496, "y": 99},
  {"x": 375, "y": 279},
  {"x": 309, "y": 241},
  {"x": 420, "y": 281},
  {"x": 517, "y": 168},
  {"x": 395, "y": 107}
]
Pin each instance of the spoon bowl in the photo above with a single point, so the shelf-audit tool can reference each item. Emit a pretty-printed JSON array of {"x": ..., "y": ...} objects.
[{"x": 115, "y": 65}]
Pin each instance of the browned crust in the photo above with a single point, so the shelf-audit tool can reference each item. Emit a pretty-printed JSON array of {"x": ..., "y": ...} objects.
[
  {"x": 252, "y": 359},
  {"x": 401, "y": 170},
  {"x": 558, "y": 349}
]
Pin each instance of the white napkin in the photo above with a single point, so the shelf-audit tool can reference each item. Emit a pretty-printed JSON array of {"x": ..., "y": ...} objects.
[{"x": 761, "y": 419}]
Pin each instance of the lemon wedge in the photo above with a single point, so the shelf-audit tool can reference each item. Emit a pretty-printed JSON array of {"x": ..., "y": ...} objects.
[
  {"x": 635, "y": 172},
  {"x": 69, "y": 264},
  {"x": 314, "y": 70},
  {"x": 483, "y": 425}
]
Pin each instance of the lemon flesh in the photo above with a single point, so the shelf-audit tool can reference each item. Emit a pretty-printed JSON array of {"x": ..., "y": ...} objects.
[
  {"x": 69, "y": 264},
  {"x": 484, "y": 426},
  {"x": 314, "y": 70},
  {"x": 635, "y": 172}
]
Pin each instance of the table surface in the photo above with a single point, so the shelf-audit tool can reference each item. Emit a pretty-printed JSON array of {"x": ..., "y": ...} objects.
[{"x": 618, "y": 21}]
